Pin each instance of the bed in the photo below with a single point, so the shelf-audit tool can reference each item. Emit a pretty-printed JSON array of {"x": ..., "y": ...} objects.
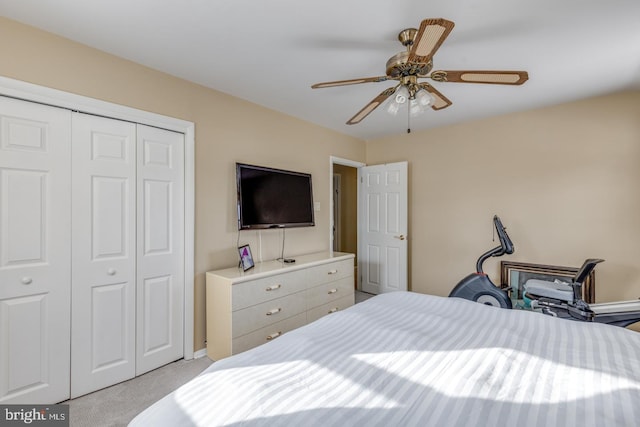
[{"x": 408, "y": 359}]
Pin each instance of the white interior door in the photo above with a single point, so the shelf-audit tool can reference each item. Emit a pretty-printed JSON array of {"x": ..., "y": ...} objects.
[
  {"x": 160, "y": 230},
  {"x": 35, "y": 252},
  {"x": 382, "y": 222},
  {"x": 104, "y": 253}
]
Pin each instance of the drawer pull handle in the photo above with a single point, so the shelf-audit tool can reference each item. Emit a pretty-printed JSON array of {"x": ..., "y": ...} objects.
[
  {"x": 332, "y": 271},
  {"x": 273, "y": 287},
  {"x": 333, "y": 310},
  {"x": 274, "y": 335},
  {"x": 274, "y": 311},
  {"x": 332, "y": 291},
  {"x": 26, "y": 280}
]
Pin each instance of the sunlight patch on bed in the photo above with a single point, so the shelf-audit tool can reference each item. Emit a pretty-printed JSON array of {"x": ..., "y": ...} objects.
[
  {"x": 494, "y": 373},
  {"x": 271, "y": 388}
]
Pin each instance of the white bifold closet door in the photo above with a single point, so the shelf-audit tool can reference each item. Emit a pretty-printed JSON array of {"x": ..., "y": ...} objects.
[
  {"x": 160, "y": 249},
  {"x": 127, "y": 250},
  {"x": 103, "y": 333},
  {"x": 35, "y": 250}
]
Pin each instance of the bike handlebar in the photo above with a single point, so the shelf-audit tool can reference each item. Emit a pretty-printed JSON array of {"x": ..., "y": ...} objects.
[
  {"x": 505, "y": 241},
  {"x": 506, "y": 245}
]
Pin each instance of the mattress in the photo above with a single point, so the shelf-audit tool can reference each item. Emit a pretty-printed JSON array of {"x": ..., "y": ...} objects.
[{"x": 408, "y": 359}]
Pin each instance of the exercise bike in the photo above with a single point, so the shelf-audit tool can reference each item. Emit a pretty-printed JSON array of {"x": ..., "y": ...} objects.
[
  {"x": 558, "y": 299},
  {"x": 477, "y": 286},
  {"x": 564, "y": 300}
]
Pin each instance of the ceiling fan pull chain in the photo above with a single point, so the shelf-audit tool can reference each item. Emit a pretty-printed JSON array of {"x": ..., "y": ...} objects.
[{"x": 409, "y": 117}]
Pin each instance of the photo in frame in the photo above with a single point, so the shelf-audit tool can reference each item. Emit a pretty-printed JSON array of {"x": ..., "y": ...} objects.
[
  {"x": 246, "y": 259},
  {"x": 513, "y": 276}
]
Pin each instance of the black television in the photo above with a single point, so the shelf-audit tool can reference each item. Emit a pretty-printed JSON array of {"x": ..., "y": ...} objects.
[{"x": 273, "y": 198}]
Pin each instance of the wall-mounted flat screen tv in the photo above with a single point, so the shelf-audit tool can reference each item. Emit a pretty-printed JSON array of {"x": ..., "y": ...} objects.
[{"x": 273, "y": 198}]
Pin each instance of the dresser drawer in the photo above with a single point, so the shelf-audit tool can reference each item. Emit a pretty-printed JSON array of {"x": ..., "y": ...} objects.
[
  {"x": 329, "y": 272},
  {"x": 254, "y": 292},
  {"x": 327, "y": 292},
  {"x": 268, "y": 333},
  {"x": 339, "y": 304},
  {"x": 267, "y": 313}
]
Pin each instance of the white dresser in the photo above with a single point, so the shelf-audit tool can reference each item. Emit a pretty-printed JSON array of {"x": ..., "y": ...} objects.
[{"x": 246, "y": 309}]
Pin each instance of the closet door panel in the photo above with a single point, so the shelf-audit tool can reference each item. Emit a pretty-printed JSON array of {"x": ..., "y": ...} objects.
[
  {"x": 104, "y": 254},
  {"x": 160, "y": 287},
  {"x": 35, "y": 252}
]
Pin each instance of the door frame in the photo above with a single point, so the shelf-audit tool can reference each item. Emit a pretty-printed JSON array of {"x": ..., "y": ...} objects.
[
  {"x": 57, "y": 98},
  {"x": 333, "y": 160},
  {"x": 336, "y": 210}
]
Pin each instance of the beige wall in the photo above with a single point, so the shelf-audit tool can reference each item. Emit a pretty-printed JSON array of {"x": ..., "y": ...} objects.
[
  {"x": 227, "y": 130},
  {"x": 565, "y": 181}
]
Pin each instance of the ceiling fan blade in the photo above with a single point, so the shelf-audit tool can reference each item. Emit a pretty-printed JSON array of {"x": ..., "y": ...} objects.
[
  {"x": 350, "y": 82},
  {"x": 490, "y": 77},
  {"x": 440, "y": 101},
  {"x": 375, "y": 102},
  {"x": 431, "y": 34}
]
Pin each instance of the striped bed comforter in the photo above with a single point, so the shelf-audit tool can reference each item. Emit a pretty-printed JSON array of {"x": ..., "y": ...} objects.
[{"x": 407, "y": 359}]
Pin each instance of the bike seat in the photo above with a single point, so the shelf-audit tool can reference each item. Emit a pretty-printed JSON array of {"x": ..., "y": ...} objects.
[{"x": 555, "y": 290}]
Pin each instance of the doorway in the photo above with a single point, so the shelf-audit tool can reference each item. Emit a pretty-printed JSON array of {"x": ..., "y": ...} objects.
[{"x": 344, "y": 208}]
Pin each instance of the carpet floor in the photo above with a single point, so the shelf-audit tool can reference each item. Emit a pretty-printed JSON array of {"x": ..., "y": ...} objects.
[{"x": 119, "y": 404}]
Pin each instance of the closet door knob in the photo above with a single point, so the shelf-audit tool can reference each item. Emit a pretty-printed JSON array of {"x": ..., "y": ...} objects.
[
  {"x": 111, "y": 271},
  {"x": 26, "y": 280}
]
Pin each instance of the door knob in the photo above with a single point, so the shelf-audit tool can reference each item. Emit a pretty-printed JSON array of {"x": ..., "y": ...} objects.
[{"x": 401, "y": 237}]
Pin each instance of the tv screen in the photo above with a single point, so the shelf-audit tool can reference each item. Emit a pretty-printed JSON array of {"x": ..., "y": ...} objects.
[{"x": 273, "y": 198}]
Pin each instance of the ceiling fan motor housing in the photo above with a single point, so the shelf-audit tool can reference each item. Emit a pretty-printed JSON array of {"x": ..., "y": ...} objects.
[{"x": 399, "y": 66}]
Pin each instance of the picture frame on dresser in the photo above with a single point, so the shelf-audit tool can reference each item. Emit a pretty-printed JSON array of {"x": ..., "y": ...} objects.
[{"x": 246, "y": 259}]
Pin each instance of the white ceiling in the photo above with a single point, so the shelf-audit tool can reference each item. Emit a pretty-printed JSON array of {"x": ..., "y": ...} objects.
[{"x": 271, "y": 52}]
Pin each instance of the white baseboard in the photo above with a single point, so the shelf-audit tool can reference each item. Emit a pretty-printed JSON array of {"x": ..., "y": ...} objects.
[{"x": 200, "y": 353}]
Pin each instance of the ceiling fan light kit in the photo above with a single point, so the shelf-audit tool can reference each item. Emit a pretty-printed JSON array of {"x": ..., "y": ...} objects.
[
  {"x": 424, "y": 99},
  {"x": 418, "y": 100},
  {"x": 417, "y": 62}
]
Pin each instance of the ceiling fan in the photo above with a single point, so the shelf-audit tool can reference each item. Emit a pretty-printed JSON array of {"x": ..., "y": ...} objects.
[{"x": 416, "y": 62}]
